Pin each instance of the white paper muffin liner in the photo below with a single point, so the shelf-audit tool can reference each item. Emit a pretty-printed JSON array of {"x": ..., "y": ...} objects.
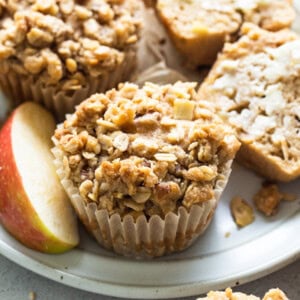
[
  {"x": 20, "y": 88},
  {"x": 143, "y": 238}
]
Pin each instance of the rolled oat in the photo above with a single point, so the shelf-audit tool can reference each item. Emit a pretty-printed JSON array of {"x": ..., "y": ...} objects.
[{"x": 241, "y": 211}]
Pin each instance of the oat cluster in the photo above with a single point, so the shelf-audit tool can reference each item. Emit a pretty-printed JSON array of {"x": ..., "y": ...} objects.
[
  {"x": 65, "y": 40},
  {"x": 269, "y": 197},
  {"x": 145, "y": 151}
]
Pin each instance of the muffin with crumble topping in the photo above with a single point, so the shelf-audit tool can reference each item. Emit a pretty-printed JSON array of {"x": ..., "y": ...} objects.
[
  {"x": 60, "y": 52},
  {"x": 145, "y": 167}
]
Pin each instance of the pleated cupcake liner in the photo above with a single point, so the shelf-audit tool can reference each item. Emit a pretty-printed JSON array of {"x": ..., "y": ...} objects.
[
  {"x": 20, "y": 88},
  {"x": 143, "y": 238}
]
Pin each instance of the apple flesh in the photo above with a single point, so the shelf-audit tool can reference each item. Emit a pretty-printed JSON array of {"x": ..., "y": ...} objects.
[{"x": 34, "y": 207}]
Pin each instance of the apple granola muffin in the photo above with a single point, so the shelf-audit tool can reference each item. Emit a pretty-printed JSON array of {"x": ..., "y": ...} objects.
[
  {"x": 59, "y": 52},
  {"x": 199, "y": 28},
  {"x": 145, "y": 167},
  {"x": 273, "y": 294},
  {"x": 254, "y": 86}
]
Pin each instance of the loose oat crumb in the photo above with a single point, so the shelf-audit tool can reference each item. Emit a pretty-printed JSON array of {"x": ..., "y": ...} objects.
[
  {"x": 227, "y": 234},
  {"x": 32, "y": 296},
  {"x": 268, "y": 198},
  {"x": 242, "y": 211}
]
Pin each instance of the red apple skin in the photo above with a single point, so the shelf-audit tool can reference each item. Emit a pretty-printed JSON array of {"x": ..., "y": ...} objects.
[{"x": 17, "y": 214}]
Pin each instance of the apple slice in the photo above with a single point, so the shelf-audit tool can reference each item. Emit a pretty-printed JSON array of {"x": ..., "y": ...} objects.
[{"x": 33, "y": 205}]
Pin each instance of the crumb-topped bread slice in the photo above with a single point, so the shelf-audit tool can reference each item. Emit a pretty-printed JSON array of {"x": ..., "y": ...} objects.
[
  {"x": 199, "y": 28},
  {"x": 254, "y": 84},
  {"x": 145, "y": 154}
]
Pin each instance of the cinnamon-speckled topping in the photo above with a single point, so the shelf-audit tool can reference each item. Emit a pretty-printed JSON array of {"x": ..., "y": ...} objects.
[{"x": 145, "y": 150}]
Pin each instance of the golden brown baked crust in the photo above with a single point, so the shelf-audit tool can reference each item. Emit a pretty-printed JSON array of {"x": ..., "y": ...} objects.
[
  {"x": 254, "y": 85},
  {"x": 145, "y": 151},
  {"x": 199, "y": 28}
]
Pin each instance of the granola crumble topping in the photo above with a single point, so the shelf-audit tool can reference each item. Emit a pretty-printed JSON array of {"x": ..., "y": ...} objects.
[
  {"x": 66, "y": 39},
  {"x": 131, "y": 151}
]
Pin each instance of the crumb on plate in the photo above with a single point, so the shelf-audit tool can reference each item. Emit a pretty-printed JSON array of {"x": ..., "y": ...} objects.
[
  {"x": 242, "y": 211},
  {"x": 32, "y": 295},
  {"x": 268, "y": 198}
]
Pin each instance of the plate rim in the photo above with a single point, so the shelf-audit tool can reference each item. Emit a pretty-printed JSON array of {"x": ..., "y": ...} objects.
[{"x": 141, "y": 291}]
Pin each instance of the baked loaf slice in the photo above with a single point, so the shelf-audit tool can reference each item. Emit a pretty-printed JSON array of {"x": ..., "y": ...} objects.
[
  {"x": 254, "y": 84},
  {"x": 199, "y": 28},
  {"x": 273, "y": 294}
]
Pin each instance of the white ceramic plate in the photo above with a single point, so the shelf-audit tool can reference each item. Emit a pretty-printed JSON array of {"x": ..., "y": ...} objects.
[{"x": 213, "y": 262}]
